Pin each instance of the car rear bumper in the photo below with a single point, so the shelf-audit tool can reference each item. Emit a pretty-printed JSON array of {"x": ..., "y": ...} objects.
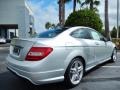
[{"x": 36, "y": 78}]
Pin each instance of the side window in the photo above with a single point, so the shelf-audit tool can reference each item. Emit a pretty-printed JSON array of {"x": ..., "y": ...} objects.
[
  {"x": 95, "y": 35},
  {"x": 81, "y": 33},
  {"x": 75, "y": 34}
]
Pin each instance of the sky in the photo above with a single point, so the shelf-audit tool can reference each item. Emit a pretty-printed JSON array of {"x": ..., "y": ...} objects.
[{"x": 47, "y": 11}]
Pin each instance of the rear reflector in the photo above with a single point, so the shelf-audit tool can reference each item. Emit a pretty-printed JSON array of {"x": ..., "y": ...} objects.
[{"x": 38, "y": 53}]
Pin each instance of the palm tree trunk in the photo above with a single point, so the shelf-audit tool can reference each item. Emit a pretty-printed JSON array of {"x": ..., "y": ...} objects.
[
  {"x": 117, "y": 18},
  {"x": 61, "y": 12},
  {"x": 91, "y": 5},
  {"x": 107, "y": 33},
  {"x": 74, "y": 5},
  {"x": 59, "y": 3}
]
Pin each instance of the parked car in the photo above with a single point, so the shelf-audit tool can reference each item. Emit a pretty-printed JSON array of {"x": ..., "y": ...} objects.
[
  {"x": 2, "y": 40},
  {"x": 59, "y": 55}
]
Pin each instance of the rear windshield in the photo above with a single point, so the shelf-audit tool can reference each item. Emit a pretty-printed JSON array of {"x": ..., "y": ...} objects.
[{"x": 50, "y": 33}]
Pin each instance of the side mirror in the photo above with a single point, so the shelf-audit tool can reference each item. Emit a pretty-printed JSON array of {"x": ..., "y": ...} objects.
[
  {"x": 108, "y": 39},
  {"x": 104, "y": 39}
]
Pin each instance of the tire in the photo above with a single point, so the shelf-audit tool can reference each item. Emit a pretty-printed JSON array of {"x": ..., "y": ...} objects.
[
  {"x": 114, "y": 55},
  {"x": 74, "y": 73}
]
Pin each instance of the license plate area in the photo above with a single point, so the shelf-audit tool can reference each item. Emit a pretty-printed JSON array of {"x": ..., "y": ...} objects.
[{"x": 16, "y": 50}]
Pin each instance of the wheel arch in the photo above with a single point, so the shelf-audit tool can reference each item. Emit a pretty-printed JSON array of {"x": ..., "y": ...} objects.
[
  {"x": 115, "y": 48},
  {"x": 81, "y": 58}
]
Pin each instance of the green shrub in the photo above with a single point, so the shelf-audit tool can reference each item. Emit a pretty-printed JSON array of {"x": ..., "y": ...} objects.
[
  {"x": 117, "y": 42},
  {"x": 85, "y": 17}
]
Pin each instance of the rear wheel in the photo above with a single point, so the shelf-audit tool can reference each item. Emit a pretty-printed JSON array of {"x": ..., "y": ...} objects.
[
  {"x": 74, "y": 72},
  {"x": 114, "y": 55}
]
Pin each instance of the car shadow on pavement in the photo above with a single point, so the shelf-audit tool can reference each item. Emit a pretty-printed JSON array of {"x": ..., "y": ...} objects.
[
  {"x": 9, "y": 81},
  {"x": 97, "y": 67}
]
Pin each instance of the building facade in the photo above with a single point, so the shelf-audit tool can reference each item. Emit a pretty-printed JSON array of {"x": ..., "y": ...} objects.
[{"x": 16, "y": 19}]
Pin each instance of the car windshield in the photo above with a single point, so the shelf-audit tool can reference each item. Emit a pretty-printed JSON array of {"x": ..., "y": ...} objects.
[{"x": 50, "y": 33}]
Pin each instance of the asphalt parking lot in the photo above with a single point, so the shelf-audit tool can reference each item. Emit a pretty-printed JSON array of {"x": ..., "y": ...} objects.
[{"x": 104, "y": 77}]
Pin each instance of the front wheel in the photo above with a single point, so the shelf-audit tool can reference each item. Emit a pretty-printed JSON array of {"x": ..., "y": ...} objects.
[
  {"x": 114, "y": 55},
  {"x": 74, "y": 72}
]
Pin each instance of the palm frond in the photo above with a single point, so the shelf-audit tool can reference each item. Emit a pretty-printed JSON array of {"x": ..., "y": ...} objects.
[
  {"x": 82, "y": 4},
  {"x": 87, "y": 1},
  {"x": 95, "y": 9},
  {"x": 96, "y": 2},
  {"x": 79, "y": 1}
]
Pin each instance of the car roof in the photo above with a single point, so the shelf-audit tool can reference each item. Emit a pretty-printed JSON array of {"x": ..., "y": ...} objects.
[{"x": 70, "y": 29}]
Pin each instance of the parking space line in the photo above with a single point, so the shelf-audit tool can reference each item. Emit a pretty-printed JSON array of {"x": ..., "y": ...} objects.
[{"x": 111, "y": 66}]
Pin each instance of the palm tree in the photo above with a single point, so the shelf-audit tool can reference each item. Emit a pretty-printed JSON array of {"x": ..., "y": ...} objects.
[
  {"x": 107, "y": 33},
  {"x": 48, "y": 25},
  {"x": 62, "y": 11},
  {"x": 75, "y": 3},
  {"x": 91, "y": 3},
  {"x": 117, "y": 18}
]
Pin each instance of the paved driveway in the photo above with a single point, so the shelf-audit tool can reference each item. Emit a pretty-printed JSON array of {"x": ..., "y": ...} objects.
[{"x": 104, "y": 77}]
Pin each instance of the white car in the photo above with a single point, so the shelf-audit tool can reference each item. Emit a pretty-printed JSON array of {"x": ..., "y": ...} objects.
[
  {"x": 2, "y": 40},
  {"x": 59, "y": 55}
]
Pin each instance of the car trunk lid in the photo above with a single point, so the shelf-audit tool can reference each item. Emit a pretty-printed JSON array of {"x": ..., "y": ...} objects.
[{"x": 20, "y": 47}]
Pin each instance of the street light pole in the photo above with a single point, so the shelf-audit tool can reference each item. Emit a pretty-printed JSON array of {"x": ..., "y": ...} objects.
[{"x": 117, "y": 18}]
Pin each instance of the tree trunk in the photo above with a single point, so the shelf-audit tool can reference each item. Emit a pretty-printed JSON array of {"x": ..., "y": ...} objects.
[
  {"x": 60, "y": 16},
  {"x": 61, "y": 12},
  {"x": 107, "y": 33},
  {"x": 74, "y": 5},
  {"x": 91, "y": 5},
  {"x": 118, "y": 19}
]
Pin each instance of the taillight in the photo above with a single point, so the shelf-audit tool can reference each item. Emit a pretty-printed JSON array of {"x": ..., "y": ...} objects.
[{"x": 38, "y": 53}]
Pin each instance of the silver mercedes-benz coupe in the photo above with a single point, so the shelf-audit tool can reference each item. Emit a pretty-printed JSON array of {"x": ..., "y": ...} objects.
[{"x": 59, "y": 55}]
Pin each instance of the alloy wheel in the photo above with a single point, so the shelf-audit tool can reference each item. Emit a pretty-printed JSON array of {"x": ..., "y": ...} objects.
[{"x": 76, "y": 72}]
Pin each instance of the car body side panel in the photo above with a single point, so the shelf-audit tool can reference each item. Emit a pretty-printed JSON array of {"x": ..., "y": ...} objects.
[
  {"x": 110, "y": 47},
  {"x": 83, "y": 48},
  {"x": 100, "y": 50}
]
